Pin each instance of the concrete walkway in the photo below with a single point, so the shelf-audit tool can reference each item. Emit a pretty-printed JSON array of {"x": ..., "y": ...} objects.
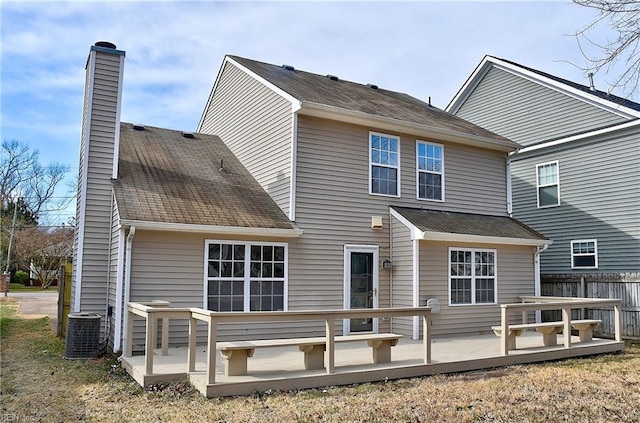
[{"x": 38, "y": 304}]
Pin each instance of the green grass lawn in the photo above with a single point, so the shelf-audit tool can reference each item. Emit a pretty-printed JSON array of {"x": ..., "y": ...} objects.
[{"x": 38, "y": 384}]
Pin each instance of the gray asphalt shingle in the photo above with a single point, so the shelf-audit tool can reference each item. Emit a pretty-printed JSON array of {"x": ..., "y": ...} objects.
[{"x": 165, "y": 177}]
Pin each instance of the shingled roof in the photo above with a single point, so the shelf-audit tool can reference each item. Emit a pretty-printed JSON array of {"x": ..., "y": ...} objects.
[
  {"x": 168, "y": 178},
  {"x": 350, "y": 96},
  {"x": 469, "y": 224},
  {"x": 595, "y": 93}
]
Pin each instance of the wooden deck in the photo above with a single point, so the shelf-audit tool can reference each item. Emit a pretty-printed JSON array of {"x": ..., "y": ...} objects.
[{"x": 283, "y": 368}]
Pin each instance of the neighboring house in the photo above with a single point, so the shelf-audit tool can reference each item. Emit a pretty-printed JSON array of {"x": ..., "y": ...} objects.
[
  {"x": 314, "y": 193},
  {"x": 576, "y": 178}
]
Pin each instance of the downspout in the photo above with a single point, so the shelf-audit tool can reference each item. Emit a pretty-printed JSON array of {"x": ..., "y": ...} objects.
[
  {"x": 416, "y": 287},
  {"x": 117, "y": 338},
  {"x": 537, "y": 287},
  {"x": 509, "y": 192},
  {"x": 127, "y": 288}
]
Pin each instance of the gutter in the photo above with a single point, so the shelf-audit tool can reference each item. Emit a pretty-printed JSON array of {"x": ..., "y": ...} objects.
[
  {"x": 127, "y": 289},
  {"x": 592, "y": 134},
  {"x": 222, "y": 230},
  {"x": 401, "y": 126}
]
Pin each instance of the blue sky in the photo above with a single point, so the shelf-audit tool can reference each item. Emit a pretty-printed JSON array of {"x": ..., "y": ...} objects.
[{"x": 174, "y": 51}]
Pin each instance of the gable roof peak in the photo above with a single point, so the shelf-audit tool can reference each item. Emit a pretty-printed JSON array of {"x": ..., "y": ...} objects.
[
  {"x": 586, "y": 91},
  {"x": 330, "y": 97}
]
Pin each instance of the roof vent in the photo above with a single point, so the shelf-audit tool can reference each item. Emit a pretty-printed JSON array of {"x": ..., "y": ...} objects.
[
  {"x": 372, "y": 86},
  {"x": 592, "y": 86},
  {"x": 187, "y": 134},
  {"x": 332, "y": 77},
  {"x": 105, "y": 44},
  {"x": 138, "y": 127},
  {"x": 288, "y": 67}
]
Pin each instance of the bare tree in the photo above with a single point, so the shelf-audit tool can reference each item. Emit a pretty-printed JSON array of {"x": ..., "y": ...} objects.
[
  {"x": 42, "y": 251},
  {"x": 623, "y": 17},
  {"x": 23, "y": 176}
]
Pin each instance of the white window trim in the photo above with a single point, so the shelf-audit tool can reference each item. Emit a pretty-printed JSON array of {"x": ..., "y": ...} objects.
[
  {"x": 538, "y": 186},
  {"x": 442, "y": 190},
  {"x": 371, "y": 164},
  {"x": 595, "y": 253},
  {"x": 473, "y": 276},
  {"x": 247, "y": 275}
]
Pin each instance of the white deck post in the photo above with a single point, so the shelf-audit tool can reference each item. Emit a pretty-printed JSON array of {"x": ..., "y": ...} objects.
[
  {"x": 128, "y": 348},
  {"x": 211, "y": 350},
  {"x": 150, "y": 343},
  {"x": 191, "y": 347},
  {"x": 331, "y": 346},
  {"x": 504, "y": 336},
  {"x": 165, "y": 336},
  {"x": 617, "y": 319},
  {"x": 426, "y": 336},
  {"x": 566, "y": 319}
]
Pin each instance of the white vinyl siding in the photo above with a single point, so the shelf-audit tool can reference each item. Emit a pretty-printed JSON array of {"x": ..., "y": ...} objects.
[
  {"x": 472, "y": 276},
  {"x": 430, "y": 171},
  {"x": 113, "y": 268},
  {"x": 256, "y": 124},
  {"x": 168, "y": 266},
  {"x": 529, "y": 113},
  {"x": 602, "y": 204},
  {"x": 402, "y": 274},
  {"x": 548, "y": 184},
  {"x": 94, "y": 206},
  {"x": 584, "y": 254},
  {"x": 384, "y": 164},
  {"x": 515, "y": 265},
  {"x": 243, "y": 276}
]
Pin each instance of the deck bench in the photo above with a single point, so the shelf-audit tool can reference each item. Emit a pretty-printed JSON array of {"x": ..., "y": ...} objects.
[
  {"x": 237, "y": 352},
  {"x": 585, "y": 328},
  {"x": 549, "y": 331}
]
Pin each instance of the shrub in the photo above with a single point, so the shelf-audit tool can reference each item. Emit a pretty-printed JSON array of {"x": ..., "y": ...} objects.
[{"x": 21, "y": 277}]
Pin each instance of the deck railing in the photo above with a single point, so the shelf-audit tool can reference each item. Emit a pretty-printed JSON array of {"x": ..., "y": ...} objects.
[
  {"x": 152, "y": 312},
  {"x": 155, "y": 311},
  {"x": 531, "y": 303},
  {"x": 328, "y": 316}
]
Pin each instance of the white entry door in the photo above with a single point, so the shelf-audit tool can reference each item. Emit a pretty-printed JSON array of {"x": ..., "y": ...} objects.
[{"x": 360, "y": 285}]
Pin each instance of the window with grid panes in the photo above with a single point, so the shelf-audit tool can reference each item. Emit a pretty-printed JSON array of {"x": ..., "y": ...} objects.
[
  {"x": 245, "y": 277},
  {"x": 472, "y": 276}
]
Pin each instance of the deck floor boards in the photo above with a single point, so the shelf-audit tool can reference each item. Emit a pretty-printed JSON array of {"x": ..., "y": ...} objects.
[{"x": 283, "y": 367}]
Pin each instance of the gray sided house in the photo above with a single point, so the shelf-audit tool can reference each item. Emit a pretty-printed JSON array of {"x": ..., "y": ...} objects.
[
  {"x": 576, "y": 178},
  {"x": 297, "y": 192}
]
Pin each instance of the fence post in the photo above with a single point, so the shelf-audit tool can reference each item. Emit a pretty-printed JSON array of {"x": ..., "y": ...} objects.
[{"x": 617, "y": 316}]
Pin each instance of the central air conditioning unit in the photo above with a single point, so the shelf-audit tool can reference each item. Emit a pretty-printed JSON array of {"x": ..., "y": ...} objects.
[{"x": 83, "y": 336}]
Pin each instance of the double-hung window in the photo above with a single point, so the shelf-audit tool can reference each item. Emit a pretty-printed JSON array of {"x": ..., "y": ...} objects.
[
  {"x": 384, "y": 164},
  {"x": 472, "y": 276},
  {"x": 244, "y": 276},
  {"x": 584, "y": 254},
  {"x": 548, "y": 184},
  {"x": 430, "y": 171}
]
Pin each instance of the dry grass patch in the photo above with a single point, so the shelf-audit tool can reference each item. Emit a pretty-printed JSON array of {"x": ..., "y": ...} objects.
[{"x": 39, "y": 385}]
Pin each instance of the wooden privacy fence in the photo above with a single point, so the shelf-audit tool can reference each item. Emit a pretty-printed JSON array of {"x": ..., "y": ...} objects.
[{"x": 626, "y": 287}]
